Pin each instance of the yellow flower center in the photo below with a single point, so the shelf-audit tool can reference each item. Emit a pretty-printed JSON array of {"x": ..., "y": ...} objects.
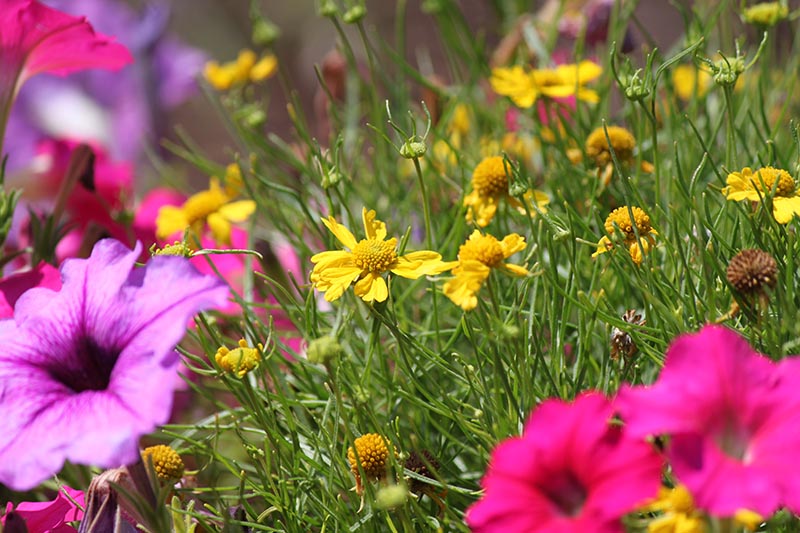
[
  {"x": 547, "y": 78},
  {"x": 621, "y": 139},
  {"x": 681, "y": 500},
  {"x": 769, "y": 175},
  {"x": 489, "y": 178},
  {"x": 373, "y": 453},
  {"x": 485, "y": 249},
  {"x": 374, "y": 255},
  {"x": 621, "y": 218},
  {"x": 177, "y": 248},
  {"x": 166, "y": 462}
]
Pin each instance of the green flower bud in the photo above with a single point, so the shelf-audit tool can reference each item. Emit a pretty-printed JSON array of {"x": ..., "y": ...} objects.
[
  {"x": 355, "y": 14},
  {"x": 323, "y": 350},
  {"x": 391, "y": 497},
  {"x": 413, "y": 148}
]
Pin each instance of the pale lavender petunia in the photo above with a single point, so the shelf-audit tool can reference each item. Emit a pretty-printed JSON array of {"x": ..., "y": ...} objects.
[{"x": 86, "y": 370}]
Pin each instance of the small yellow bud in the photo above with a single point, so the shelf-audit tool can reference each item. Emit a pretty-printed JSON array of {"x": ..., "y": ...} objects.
[
  {"x": 166, "y": 462},
  {"x": 241, "y": 360}
]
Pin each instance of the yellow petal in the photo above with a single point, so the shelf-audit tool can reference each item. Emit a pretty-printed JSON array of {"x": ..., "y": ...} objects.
[
  {"x": 372, "y": 288},
  {"x": 515, "y": 83},
  {"x": 515, "y": 269},
  {"x": 170, "y": 220},
  {"x": 603, "y": 245},
  {"x": 238, "y": 211},
  {"x": 418, "y": 264},
  {"x": 588, "y": 71},
  {"x": 334, "y": 281},
  {"x": 333, "y": 258},
  {"x": 512, "y": 244},
  {"x": 375, "y": 229},
  {"x": 220, "y": 228},
  {"x": 481, "y": 209},
  {"x": 265, "y": 68},
  {"x": 588, "y": 95},
  {"x": 340, "y": 232},
  {"x": 785, "y": 209},
  {"x": 463, "y": 288}
]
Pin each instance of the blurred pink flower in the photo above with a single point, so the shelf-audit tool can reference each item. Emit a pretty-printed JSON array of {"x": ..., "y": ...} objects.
[
  {"x": 570, "y": 471},
  {"x": 12, "y": 287},
  {"x": 733, "y": 419},
  {"x": 37, "y": 39},
  {"x": 51, "y": 517}
]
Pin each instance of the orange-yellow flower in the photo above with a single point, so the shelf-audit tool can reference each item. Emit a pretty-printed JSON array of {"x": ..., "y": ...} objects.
[
  {"x": 365, "y": 261},
  {"x": 476, "y": 259},
  {"x": 753, "y": 186},
  {"x": 525, "y": 87},
  {"x": 489, "y": 186},
  {"x": 619, "y": 221}
]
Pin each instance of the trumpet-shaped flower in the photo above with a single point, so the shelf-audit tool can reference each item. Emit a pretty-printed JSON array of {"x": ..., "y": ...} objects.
[
  {"x": 489, "y": 186},
  {"x": 214, "y": 207},
  {"x": 476, "y": 259},
  {"x": 753, "y": 186},
  {"x": 525, "y": 87},
  {"x": 86, "y": 370},
  {"x": 733, "y": 420},
  {"x": 53, "y": 516},
  {"x": 570, "y": 471},
  {"x": 37, "y": 39},
  {"x": 365, "y": 261}
]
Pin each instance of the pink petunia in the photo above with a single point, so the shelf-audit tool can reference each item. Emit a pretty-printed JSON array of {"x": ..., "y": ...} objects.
[
  {"x": 37, "y": 39},
  {"x": 733, "y": 420},
  {"x": 51, "y": 517},
  {"x": 570, "y": 471}
]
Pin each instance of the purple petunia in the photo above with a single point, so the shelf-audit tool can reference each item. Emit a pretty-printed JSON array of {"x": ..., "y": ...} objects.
[{"x": 86, "y": 370}]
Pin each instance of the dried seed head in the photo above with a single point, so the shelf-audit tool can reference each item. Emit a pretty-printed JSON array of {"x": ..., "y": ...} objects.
[
  {"x": 750, "y": 271},
  {"x": 621, "y": 341},
  {"x": 424, "y": 464}
]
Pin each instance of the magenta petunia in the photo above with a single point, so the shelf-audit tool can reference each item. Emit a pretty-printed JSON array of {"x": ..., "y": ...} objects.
[
  {"x": 86, "y": 370},
  {"x": 37, "y": 39},
  {"x": 53, "y": 516},
  {"x": 15, "y": 285},
  {"x": 733, "y": 418},
  {"x": 570, "y": 471}
]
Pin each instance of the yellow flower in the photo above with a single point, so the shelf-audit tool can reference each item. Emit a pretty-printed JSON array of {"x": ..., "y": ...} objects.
[
  {"x": 489, "y": 186},
  {"x": 690, "y": 81},
  {"x": 753, "y": 186},
  {"x": 679, "y": 513},
  {"x": 619, "y": 220},
  {"x": 167, "y": 464},
  {"x": 241, "y": 360},
  {"x": 246, "y": 68},
  {"x": 366, "y": 260},
  {"x": 524, "y": 88},
  {"x": 476, "y": 259},
  {"x": 213, "y": 207},
  {"x": 372, "y": 454},
  {"x": 598, "y": 150},
  {"x": 766, "y": 13}
]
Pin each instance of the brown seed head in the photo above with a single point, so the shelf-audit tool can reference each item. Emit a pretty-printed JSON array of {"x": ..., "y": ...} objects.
[
  {"x": 750, "y": 271},
  {"x": 424, "y": 464}
]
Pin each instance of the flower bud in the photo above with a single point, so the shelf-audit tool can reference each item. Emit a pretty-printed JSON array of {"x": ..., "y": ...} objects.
[{"x": 324, "y": 350}]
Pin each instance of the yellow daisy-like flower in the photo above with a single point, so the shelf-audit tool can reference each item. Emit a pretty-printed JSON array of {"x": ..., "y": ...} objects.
[
  {"x": 489, "y": 186},
  {"x": 213, "y": 207},
  {"x": 372, "y": 454},
  {"x": 766, "y": 14},
  {"x": 678, "y": 514},
  {"x": 619, "y": 220},
  {"x": 245, "y": 69},
  {"x": 167, "y": 464},
  {"x": 476, "y": 259},
  {"x": 525, "y": 87},
  {"x": 753, "y": 186},
  {"x": 690, "y": 81},
  {"x": 365, "y": 261},
  {"x": 598, "y": 150},
  {"x": 241, "y": 360}
]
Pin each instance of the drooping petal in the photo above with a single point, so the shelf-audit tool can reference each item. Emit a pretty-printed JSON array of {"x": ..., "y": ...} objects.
[
  {"x": 463, "y": 288},
  {"x": 372, "y": 287},
  {"x": 238, "y": 211},
  {"x": 340, "y": 232},
  {"x": 334, "y": 281},
  {"x": 170, "y": 220},
  {"x": 220, "y": 228},
  {"x": 512, "y": 244},
  {"x": 414, "y": 265}
]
